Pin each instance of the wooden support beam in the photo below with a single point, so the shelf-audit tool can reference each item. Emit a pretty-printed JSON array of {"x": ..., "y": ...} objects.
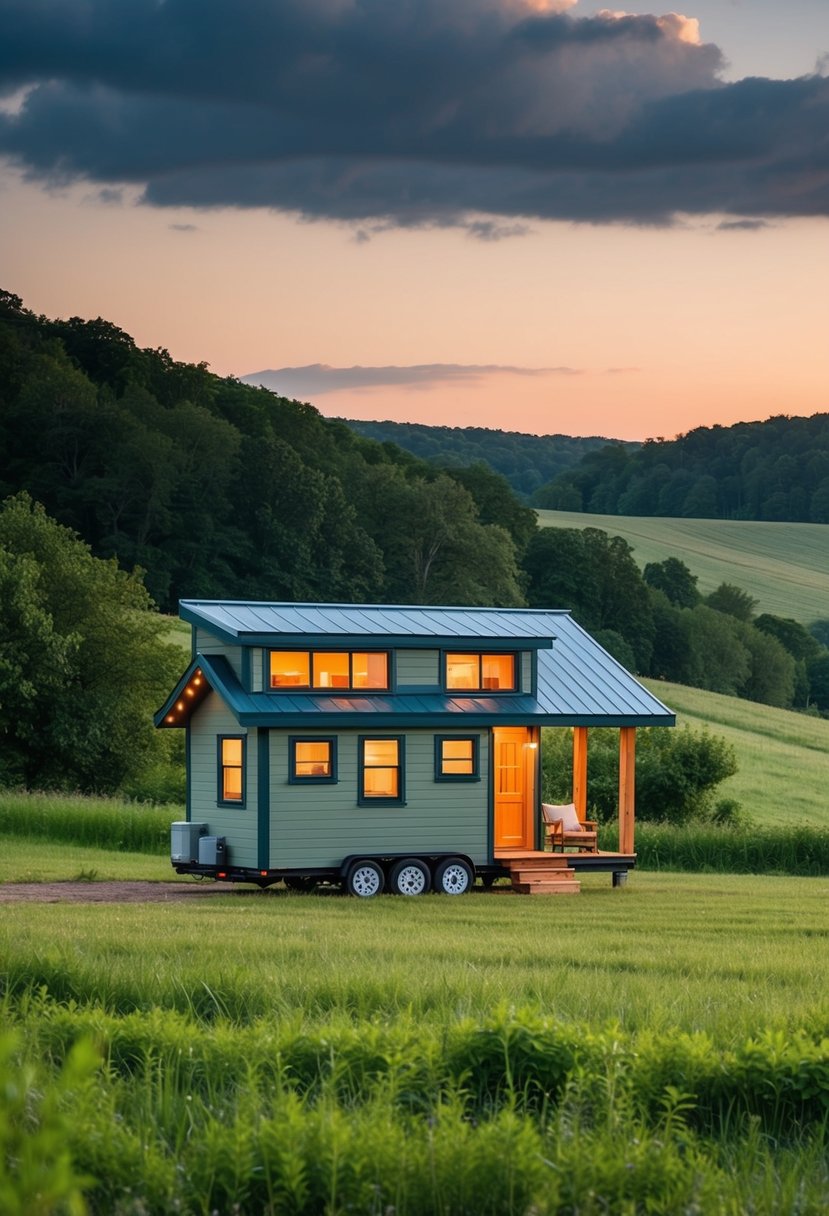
[
  {"x": 580, "y": 771},
  {"x": 627, "y": 787}
]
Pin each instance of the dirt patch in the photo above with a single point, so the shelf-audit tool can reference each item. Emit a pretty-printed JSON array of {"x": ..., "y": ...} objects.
[{"x": 116, "y": 892}]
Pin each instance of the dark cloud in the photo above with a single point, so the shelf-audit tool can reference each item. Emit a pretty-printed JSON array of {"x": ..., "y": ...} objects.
[
  {"x": 741, "y": 225},
  {"x": 318, "y": 378},
  {"x": 411, "y": 112}
]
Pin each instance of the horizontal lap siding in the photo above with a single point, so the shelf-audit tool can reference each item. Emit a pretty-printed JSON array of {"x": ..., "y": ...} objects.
[
  {"x": 526, "y": 671},
  {"x": 319, "y": 825},
  {"x": 418, "y": 668},
  {"x": 207, "y": 644},
  {"x": 237, "y": 824}
]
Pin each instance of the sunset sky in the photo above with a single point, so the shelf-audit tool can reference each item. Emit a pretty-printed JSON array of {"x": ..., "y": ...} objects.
[{"x": 539, "y": 215}]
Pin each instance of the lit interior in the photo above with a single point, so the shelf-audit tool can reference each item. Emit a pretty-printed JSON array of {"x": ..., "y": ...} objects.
[
  {"x": 457, "y": 758},
  {"x": 319, "y": 669},
  {"x": 290, "y": 669},
  {"x": 313, "y": 759},
  {"x": 381, "y": 772},
  {"x": 231, "y": 770},
  {"x": 480, "y": 671}
]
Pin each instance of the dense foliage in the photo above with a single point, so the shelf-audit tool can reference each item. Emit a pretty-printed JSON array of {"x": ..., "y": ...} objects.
[
  {"x": 677, "y": 772},
  {"x": 83, "y": 663},
  {"x": 218, "y": 489},
  {"x": 772, "y": 470},
  {"x": 526, "y": 461}
]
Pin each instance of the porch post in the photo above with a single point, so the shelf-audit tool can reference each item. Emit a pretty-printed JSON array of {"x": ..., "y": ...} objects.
[
  {"x": 580, "y": 771},
  {"x": 627, "y": 787}
]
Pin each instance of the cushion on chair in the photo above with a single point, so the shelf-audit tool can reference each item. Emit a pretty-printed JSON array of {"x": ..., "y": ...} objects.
[{"x": 567, "y": 813}]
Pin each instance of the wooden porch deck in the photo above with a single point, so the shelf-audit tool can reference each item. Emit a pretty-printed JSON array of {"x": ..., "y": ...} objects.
[{"x": 536, "y": 872}]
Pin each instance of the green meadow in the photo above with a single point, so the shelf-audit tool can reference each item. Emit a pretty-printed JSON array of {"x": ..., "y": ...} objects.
[
  {"x": 659, "y": 1049},
  {"x": 783, "y": 776},
  {"x": 784, "y": 566}
]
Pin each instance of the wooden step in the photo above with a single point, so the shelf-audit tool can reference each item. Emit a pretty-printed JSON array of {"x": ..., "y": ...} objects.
[
  {"x": 522, "y": 874},
  {"x": 555, "y": 887}
]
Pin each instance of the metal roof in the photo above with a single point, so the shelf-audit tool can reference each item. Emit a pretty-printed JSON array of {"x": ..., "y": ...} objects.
[
  {"x": 271, "y": 624},
  {"x": 578, "y": 684}
]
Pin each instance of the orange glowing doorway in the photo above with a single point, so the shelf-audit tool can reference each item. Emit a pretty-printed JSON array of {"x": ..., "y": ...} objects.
[{"x": 515, "y": 767}]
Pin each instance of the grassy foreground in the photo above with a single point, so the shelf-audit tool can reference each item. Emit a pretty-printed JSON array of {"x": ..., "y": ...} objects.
[
  {"x": 661, "y": 1049},
  {"x": 785, "y": 567}
]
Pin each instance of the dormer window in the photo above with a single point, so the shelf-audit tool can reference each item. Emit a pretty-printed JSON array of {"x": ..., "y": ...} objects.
[
  {"x": 318, "y": 670},
  {"x": 480, "y": 672}
]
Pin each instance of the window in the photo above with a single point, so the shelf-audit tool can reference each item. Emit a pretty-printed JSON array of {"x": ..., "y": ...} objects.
[
  {"x": 323, "y": 669},
  {"x": 381, "y": 769},
  {"x": 312, "y": 761},
  {"x": 481, "y": 672},
  {"x": 456, "y": 758},
  {"x": 231, "y": 789}
]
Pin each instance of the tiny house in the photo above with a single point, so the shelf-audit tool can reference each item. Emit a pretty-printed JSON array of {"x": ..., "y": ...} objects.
[{"x": 386, "y": 747}]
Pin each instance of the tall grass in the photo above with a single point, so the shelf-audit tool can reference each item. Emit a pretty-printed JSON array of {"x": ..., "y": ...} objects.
[
  {"x": 105, "y": 823},
  {"x": 706, "y": 848}
]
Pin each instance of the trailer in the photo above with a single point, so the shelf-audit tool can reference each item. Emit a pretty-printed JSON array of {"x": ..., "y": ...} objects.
[{"x": 391, "y": 748}]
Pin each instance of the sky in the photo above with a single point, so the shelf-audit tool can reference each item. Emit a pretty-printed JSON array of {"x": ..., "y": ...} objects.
[{"x": 535, "y": 215}]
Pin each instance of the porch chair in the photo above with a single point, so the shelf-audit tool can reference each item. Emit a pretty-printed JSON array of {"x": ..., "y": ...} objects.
[{"x": 565, "y": 830}]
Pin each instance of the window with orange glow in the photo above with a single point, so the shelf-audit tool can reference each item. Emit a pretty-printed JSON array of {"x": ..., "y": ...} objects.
[
  {"x": 313, "y": 761},
  {"x": 481, "y": 672},
  {"x": 323, "y": 669},
  {"x": 231, "y": 769},
  {"x": 381, "y": 769},
  {"x": 456, "y": 759}
]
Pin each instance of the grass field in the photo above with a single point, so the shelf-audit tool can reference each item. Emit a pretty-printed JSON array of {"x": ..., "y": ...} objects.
[
  {"x": 783, "y": 757},
  {"x": 660, "y": 1049},
  {"x": 785, "y": 567}
]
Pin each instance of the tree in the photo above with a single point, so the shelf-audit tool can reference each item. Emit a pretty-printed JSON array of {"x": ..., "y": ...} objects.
[
  {"x": 673, "y": 578},
  {"x": 733, "y": 601},
  {"x": 595, "y": 576},
  {"x": 82, "y": 663}
]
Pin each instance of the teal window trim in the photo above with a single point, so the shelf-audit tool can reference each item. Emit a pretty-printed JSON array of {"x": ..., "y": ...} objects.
[
  {"x": 292, "y": 689},
  {"x": 239, "y": 803},
  {"x": 364, "y": 799},
  {"x": 295, "y": 778},
  {"x": 490, "y": 692},
  {"x": 440, "y": 775}
]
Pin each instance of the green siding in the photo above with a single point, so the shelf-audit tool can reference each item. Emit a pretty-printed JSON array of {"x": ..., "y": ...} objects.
[
  {"x": 206, "y": 643},
  {"x": 418, "y": 668},
  {"x": 320, "y": 825},
  {"x": 526, "y": 668},
  {"x": 238, "y": 824},
  {"x": 257, "y": 670}
]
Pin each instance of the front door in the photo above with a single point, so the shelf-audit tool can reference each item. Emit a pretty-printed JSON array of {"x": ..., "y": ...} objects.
[{"x": 515, "y": 755}]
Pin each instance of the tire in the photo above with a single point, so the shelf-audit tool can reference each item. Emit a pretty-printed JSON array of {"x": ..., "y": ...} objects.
[
  {"x": 364, "y": 879},
  {"x": 454, "y": 876},
  {"x": 410, "y": 876}
]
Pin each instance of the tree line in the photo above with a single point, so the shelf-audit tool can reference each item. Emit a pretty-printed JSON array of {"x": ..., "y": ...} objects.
[
  {"x": 772, "y": 470},
  {"x": 218, "y": 489},
  {"x": 528, "y": 462}
]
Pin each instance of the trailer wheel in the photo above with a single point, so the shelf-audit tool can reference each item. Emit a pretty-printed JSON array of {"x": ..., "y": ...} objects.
[
  {"x": 365, "y": 878},
  {"x": 410, "y": 877},
  {"x": 453, "y": 876}
]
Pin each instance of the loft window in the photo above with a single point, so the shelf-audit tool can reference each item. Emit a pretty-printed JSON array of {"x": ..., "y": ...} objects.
[
  {"x": 231, "y": 791},
  {"x": 312, "y": 761},
  {"x": 481, "y": 672},
  {"x": 347, "y": 670},
  {"x": 381, "y": 769},
  {"x": 456, "y": 758}
]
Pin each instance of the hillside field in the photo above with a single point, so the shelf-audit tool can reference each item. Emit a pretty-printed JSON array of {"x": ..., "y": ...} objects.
[
  {"x": 783, "y": 757},
  {"x": 784, "y": 566}
]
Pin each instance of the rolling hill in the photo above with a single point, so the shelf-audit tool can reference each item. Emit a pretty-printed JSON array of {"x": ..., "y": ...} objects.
[{"x": 784, "y": 566}]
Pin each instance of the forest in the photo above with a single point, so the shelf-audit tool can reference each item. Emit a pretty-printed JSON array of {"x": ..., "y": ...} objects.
[
  {"x": 129, "y": 480},
  {"x": 528, "y": 462},
  {"x": 775, "y": 470}
]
